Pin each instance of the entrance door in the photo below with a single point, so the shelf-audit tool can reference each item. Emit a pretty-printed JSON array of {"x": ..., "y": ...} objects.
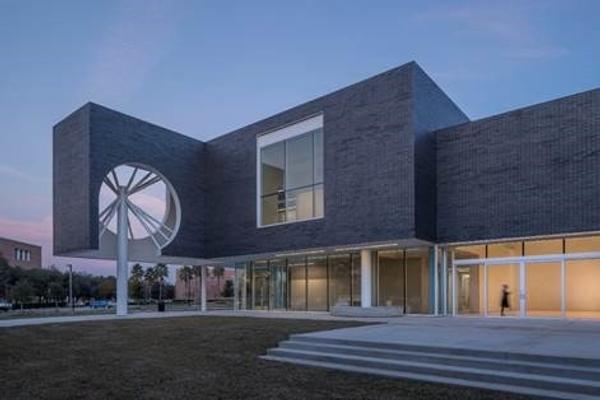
[
  {"x": 503, "y": 289},
  {"x": 469, "y": 283}
]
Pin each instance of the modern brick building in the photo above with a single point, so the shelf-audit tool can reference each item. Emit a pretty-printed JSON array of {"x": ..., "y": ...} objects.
[
  {"x": 382, "y": 195},
  {"x": 20, "y": 254}
]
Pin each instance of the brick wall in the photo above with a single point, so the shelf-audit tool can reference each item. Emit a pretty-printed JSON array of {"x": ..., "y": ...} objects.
[
  {"x": 7, "y": 251},
  {"x": 532, "y": 171}
]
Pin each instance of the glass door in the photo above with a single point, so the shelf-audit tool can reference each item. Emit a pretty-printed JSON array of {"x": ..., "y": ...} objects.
[
  {"x": 469, "y": 293},
  {"x": 503, "y": 289}
]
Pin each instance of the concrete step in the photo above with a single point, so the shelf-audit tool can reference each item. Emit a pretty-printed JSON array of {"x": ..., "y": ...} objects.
[
  {"x": 528, "y": 391},
  {"x": 532, "y": 374},
  {"x": 567, "y": 385},
  {"x": 494, "y": 364},
  {"x": 464, "y": 352}
]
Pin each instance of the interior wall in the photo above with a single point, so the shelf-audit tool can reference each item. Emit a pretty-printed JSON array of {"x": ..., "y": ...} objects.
[
  {"x": 583, "y": 286},
  {"x": 543, "y": 287}
]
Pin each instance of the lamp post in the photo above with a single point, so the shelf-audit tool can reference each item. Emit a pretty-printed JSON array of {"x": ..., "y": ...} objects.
[{"x": 71, "y": 288}]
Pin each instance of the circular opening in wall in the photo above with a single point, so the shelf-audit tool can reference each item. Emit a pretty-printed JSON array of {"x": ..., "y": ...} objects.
[{"x": 153, "y": 210}]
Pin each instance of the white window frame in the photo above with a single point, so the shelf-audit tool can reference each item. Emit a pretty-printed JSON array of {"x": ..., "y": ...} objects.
[{"x": 279, "y": 135}]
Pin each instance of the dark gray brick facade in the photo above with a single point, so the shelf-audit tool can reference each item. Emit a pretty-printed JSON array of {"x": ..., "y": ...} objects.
[
  {"x": 401, "y": 162},
  {"x": 368, "y": 173},
  {"x": 71, "y": 199},
  {"x": 370, "y": 132},
  {"x": 432, "y": 110},
  {"x": 95, "y": 139},
  {"x": 533, "y": 171}
]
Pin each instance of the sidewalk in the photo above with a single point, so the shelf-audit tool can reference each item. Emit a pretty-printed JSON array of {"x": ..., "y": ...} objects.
[{"x": 9, "y": 323}]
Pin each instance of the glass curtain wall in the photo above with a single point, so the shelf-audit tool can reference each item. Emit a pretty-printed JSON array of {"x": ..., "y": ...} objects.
[
  {"x": 297, "y": 283},
  {"x": 241, "y": 285},
  {"x": 556, "y": 277},
  {"x": 319, "y": 283},
  {"x": 417, "y": 281},
  {"x": 261, "y": 282},
  {"x": 403, "y": 279},
  {"x": 278, "y": 290},
  {"x": 340, "y": 278},
  {"x": 317, "y": 289},
  {"x": 301, "y": 283},
  {"x": 391, "y": 278},
  {"x": 355, "y": 284}
]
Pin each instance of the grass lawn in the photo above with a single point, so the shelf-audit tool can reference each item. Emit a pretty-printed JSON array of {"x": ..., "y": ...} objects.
[{"x": 184, "y": 358}]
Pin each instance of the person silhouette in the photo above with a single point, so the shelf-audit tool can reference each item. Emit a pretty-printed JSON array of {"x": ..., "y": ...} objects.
[{"x": 504, "y": 299}]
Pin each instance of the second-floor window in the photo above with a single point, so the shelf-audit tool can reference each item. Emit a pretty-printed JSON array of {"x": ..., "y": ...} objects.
[{"x": 291, "y": 173}]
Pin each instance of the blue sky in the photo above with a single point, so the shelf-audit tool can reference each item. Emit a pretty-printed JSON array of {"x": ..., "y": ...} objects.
[{"x": 205, "y": 68}]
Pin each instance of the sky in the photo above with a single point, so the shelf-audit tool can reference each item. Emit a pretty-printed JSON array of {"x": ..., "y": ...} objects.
[{"x": 205, "y": 68}]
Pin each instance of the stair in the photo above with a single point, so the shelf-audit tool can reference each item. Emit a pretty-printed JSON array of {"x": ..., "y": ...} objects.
[{"x": 544, "y": 376}]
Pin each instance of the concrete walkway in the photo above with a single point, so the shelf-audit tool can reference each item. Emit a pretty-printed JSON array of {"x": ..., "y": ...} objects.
[
  {"x": 16, "y": 322},
  {"x": 570, "y": 338}
]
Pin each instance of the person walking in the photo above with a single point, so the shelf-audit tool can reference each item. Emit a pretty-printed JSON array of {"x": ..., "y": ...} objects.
[{"x": 504, "y": 304}]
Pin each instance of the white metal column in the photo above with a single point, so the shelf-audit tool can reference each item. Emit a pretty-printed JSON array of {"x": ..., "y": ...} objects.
[
  {"x": 365, "y": 278},
  {"x": 522, "y": 290},
  {"x": 563, "y": 288},
  {"x": 485, "y": 289},
  {"x": 444, "y": 291},
  {"x": 236, "y": 290},
  {"x": 244, "y": 288},
  {"x": 454, "y": 295},
  {"x": 122, "y": 242},
  {"x": 436, "y": 281},
  {"x": 203, "y": 287}
]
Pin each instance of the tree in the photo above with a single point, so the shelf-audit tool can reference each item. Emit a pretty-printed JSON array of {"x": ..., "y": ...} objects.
[
  {"x": 107, "y": 288},
  {"x": 218, "y": 273},
  {"x": 56, "y": 292},
  {"x": 228, "y": 289},
  {"x": 161, "y": 272},
  {"x": 22, "y": 292},
  {"x": 136, "y": 281},
  {"x": 6, "y": 275},
  {"x": 149, "y": 278},
  {"x": 186, "y": 274}
]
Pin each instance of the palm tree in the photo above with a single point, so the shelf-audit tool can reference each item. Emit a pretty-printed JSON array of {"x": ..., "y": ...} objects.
[
  {"x": 149, "y": 277},
  {"x": 136, "y": 281},
  {"x": 218, "y": 273},
  {"x": 186, "y": 275},
  {"x": 160, "y": 272}
]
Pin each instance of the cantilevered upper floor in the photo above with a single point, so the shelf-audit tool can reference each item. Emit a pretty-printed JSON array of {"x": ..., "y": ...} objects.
[{"x": 390, "y": 159}]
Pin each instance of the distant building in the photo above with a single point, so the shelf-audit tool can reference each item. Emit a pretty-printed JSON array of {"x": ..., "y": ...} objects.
[{"x": 21, "y": 254}]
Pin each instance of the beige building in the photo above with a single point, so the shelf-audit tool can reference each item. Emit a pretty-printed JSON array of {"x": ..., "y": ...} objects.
[{"x": 21, "y": 254}]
